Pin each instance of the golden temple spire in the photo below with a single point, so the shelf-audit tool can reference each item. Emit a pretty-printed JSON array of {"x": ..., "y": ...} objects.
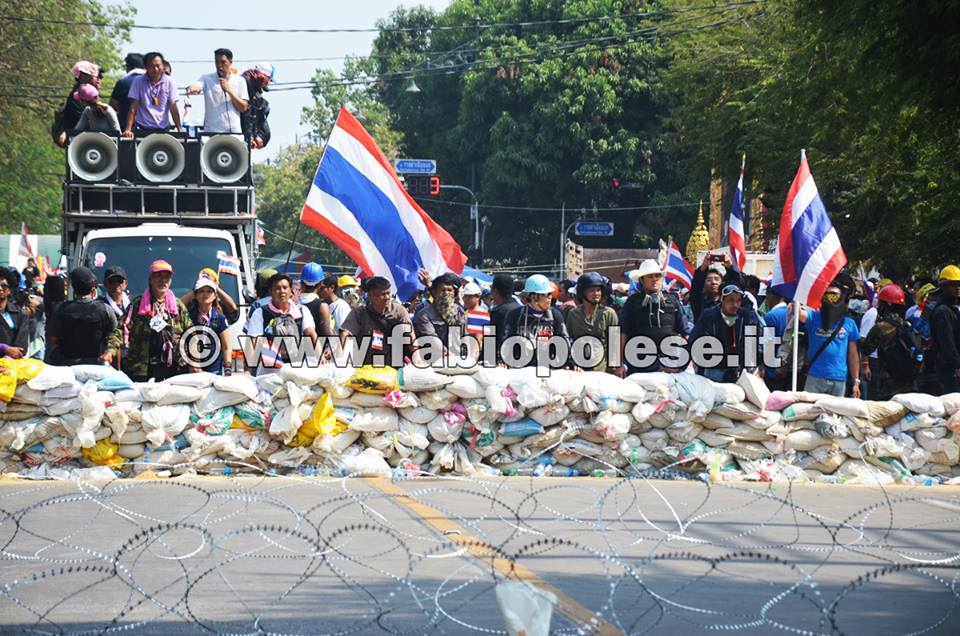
[{"x": 699, "y": 238}]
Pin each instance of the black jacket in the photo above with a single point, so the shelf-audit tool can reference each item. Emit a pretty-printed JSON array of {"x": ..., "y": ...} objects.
[
  {"x": 253, "y": 122},
  {"x": 733, "y": 338},
  {"x": 17, "y": 335},
  {"x": 945, "y": 332}
]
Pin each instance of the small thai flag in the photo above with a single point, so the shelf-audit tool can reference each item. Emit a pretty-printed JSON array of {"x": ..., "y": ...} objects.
[
  {"x": 228, "y": 264},
  {"x": 677, "y": 268},
  {"x": 735, "y": 235}
]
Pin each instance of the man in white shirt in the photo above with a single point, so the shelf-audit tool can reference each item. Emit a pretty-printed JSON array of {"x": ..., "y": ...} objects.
[
  {"x": 224, "y": 96},
  {"x": 339, "y": 308}
]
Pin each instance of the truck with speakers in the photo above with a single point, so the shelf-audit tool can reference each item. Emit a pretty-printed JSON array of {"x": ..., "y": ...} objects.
[{"x": 186, "y": 199}]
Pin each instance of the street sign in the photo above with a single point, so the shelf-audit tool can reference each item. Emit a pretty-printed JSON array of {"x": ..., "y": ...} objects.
[
  {"x": 593, "y": 228},
  {"x": 415, "y": 166}
]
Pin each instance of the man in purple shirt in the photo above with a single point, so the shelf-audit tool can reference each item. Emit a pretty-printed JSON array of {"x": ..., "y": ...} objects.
[{"x": 153, "y": 99}]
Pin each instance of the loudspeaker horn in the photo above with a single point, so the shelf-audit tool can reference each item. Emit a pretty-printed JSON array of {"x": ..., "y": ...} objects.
[
  {"x": 92, "y": 156},
  {"x": 160, "y": 157},
  {"x": 224, "y": 158}
]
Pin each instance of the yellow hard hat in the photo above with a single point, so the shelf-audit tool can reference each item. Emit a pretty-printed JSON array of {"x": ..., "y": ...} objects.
[
  {"x": 950, "y": 272},
  {"x": 923, "y": 292},
  {"x": 347, "y": 281},
  {"x": 883, "y": 282}
]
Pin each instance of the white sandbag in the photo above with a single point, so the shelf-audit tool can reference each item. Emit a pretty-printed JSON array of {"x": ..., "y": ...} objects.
[
  {"x": 162, "y": 423},
  {"x": 656, "y": 382},
  {"x": 376, "y": 419},
  {"x": 51, "y": 377},
  {"x": 445, "y": 430},
  {"x": 683, "y": 432},
  {"x": 163, "y": 393},
  {"x": 289, "y": 457},
  {"x": 851, "y": 407},
  {"x": 369, "y": 463},
  {"x": 746, "y": 433},
  {"x": 697, "y": 393},
  {"x": 641, "y": 412},
  {"x": 335, "y": 444},
  {"x": 800, "y": 411},
  {"x": 237, "y": 383},
  {"x": 921, "y": 403},
  {"x": 362, "y": 400},
  {"x": 480, "y": 414},
  {"x": 917, "y": 421},
  {"x": 130, "y": 451},
  {"x": 213, "y": 399},
  {"x": 286, "y": 422},
  {"x": 60, "y": 407},
  {"x": 419, "y": 414},
  {"x": 655, "y": 439},
  {"x": 714, "y": 438},
  {"x": 125, "y": 395},
  {"x": 465, "y": 387},
  {"x": 737, "y": 410},
  {"x": 715, "y": 421},
  {"x": 92, "y": 407},
  {"x": 804, "y": 440},
  {"x": 612, "y": 426},
  {"x": 138, "y": 436},
  {"x": 200, "y": 380},
  {"x": 551, "y": 414},
  {"x": 411, "y": 378},
  {"x": 580, "y": 447},
  {"x": 437, "y": 400},
  {"x": 498, "y": 403},
  {"x": 860, "y": 472},
  {"x": 567, "y": 384},
  {"x": 727, "y": 392},
  {"x": 754, "y": 389},
  {"x": 951, "y": 403},
  {"x": 599, "y": 386}
]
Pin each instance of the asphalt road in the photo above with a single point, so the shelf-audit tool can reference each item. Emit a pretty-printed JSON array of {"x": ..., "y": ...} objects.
[{"x": 310, "y": 555}]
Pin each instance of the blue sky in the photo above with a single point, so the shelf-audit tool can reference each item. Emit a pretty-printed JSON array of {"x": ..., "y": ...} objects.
[{"x": 192, "y": 52}]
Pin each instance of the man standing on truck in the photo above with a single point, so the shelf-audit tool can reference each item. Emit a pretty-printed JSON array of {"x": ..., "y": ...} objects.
[
  {"x": 224, "y": 96},
  {"x": 155, "y": 321},
  {"x": 153, "y": 100}
]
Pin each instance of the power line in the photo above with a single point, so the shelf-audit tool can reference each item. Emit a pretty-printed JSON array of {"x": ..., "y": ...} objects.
[
  {"x": 570, "y": 209},
  {"x": 451, "y": 27}
]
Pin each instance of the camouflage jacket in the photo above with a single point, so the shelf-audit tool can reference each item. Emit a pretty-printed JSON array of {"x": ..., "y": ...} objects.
[
  {"x": 879, "y": 338},
  {"x": 137, "y": 327}
]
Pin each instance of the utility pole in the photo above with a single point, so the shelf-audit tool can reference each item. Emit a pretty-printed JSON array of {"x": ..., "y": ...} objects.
[{"x": 474, "y": 211}]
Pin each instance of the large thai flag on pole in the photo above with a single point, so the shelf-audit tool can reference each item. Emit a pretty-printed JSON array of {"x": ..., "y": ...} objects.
[
  {"x": 809, "y": 255},
  {"x": 676, "y": 267},
  {"x": 25, "y": 249},
  {"x": 357, "y": 201},
  {"x": 736, "y": 237}
]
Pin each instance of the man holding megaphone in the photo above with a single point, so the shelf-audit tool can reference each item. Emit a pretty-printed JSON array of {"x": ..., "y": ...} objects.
[{"x": 224, "y": 95}]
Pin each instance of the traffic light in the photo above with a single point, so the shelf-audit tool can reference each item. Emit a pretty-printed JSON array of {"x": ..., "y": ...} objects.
[
  {"x": 422, "y": 185},
  {"x": 615, "y": 182}
]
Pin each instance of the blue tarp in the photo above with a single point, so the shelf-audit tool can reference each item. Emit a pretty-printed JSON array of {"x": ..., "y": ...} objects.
[{"x": 478, "y": 275}]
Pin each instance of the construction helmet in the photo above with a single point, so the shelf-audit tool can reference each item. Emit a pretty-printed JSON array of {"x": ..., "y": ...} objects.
[
  {"x": 347, "y": 281},
  {"x": 892, "y": 294},
  {"x": 950, "y": 272},
  {"x": 538, "y": 284}
]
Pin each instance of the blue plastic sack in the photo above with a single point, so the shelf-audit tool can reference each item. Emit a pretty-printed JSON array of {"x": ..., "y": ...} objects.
[{"x": 521, "y": 428}]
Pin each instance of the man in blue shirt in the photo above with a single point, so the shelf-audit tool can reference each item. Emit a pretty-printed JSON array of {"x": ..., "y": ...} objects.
[
  {"x": 832, "y": 342},
  {"x": 776, "y": 317}
]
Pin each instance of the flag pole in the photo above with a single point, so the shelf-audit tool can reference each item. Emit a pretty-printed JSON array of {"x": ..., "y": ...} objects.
[
  {"x": 796, "y": 343},
  {"x": 293, "y": 242}
]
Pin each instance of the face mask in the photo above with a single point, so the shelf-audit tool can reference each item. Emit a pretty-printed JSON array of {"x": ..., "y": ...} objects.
[
  {"x": 352, "y": 297},
  {"x": 729, "y": 320},
  {"x": 446, "y": 307},
  {"x": 832, "y": 312}
]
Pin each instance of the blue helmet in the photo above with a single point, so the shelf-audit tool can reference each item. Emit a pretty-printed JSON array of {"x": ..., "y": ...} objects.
[
  {"x": 538, "y": 284},
  {"x": 311, "y": 274}
]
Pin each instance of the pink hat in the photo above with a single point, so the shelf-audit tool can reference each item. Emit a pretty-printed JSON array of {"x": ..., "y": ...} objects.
[
  {"x": 160, "y": 266},
  {"x": 86, "y": 93},
  {"x": 84, "y": 66}
]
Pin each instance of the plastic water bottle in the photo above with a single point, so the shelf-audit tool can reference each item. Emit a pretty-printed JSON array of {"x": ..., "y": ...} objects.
[
  {"x": 605, "y": 472},
  {"x": 566, "y": 471}
]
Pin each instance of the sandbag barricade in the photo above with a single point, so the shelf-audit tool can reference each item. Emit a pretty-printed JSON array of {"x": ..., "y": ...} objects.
[{"x": 83, "y": 420}]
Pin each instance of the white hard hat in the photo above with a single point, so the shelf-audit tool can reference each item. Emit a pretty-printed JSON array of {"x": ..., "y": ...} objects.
[
  {"x": 471, "y": 289},
  {"x": 647, "y": 267}
]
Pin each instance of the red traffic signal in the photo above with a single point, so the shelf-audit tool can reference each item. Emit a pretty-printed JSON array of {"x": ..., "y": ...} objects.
[
  {"x": 615, "y": 182},
  {"x": 422, "y": 185}
]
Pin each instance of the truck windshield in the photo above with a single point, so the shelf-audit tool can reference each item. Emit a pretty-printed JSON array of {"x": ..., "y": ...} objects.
[{"x": 187, "y": 254}]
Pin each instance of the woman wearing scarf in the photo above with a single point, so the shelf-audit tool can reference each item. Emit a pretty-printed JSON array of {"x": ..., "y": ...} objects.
[
  {"x": 85, "y": 73},
  {"x": 155, "y": 321},
  {"x": 253, "y": 121}
]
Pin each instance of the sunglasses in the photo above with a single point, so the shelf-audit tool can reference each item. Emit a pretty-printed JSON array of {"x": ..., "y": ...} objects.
[{"x": 4, "y": 286}]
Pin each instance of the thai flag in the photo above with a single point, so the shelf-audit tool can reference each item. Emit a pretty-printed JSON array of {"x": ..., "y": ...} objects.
[
  {"x": 867, "y": 287},
  {"x": 261, "y": 238},
  {"x": 809, "y": 255},
  {"x": 25, "y": 249},
  {"x": 736, "y": 237},
  {"x": 676, "y": 268},
  {"x": 228, "y": 264},
  {"x": 357, "y": 201}
]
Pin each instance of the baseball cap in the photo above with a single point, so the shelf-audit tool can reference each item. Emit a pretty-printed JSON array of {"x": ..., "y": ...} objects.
[
  {"x": 266, "y": 68},
  {"x": 113, "y": 271},
  {"x": 82, "y": 280},
  {"x": 203, "y": 281},
  {"x": 160, "y": 265}
]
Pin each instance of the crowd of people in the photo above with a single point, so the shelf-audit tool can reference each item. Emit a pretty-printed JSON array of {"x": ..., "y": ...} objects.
[
  {"x": 145, "y": 100},
  {"x": 871, "y": 340}
]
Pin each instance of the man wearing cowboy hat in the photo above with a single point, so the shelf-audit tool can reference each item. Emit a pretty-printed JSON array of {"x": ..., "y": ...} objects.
[{"x": 651, "y": 312}]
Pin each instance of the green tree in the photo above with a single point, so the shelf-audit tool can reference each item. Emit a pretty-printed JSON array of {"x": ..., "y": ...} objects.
[{"x": 35, "y": 61}]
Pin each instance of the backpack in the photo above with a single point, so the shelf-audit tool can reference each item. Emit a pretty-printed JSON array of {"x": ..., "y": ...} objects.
[
  {"x": 902, "y": 353},
  {"x": 277, "y": 325}
]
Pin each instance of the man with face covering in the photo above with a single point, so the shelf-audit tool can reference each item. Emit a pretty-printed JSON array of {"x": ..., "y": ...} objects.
[
  {"x": 945, "y": 330},
  {"x": 728, "y": 322},
  {"x": 651, "y": 312},
  {"x": 442, "y": 318},
  {"x": 897, "y": 344},
  {"x": 832, "y": 336}
]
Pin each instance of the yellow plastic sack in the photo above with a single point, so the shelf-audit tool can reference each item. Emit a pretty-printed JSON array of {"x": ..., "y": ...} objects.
[
  {"x": 24, "y": 369},
  {"x": 322, "y": 421},
  {"x": 375, "y": 380},
  {"x": 104, "y": 453},
  {"x": 240, "y": 424},
  {"x": 8, "y": 382}
]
